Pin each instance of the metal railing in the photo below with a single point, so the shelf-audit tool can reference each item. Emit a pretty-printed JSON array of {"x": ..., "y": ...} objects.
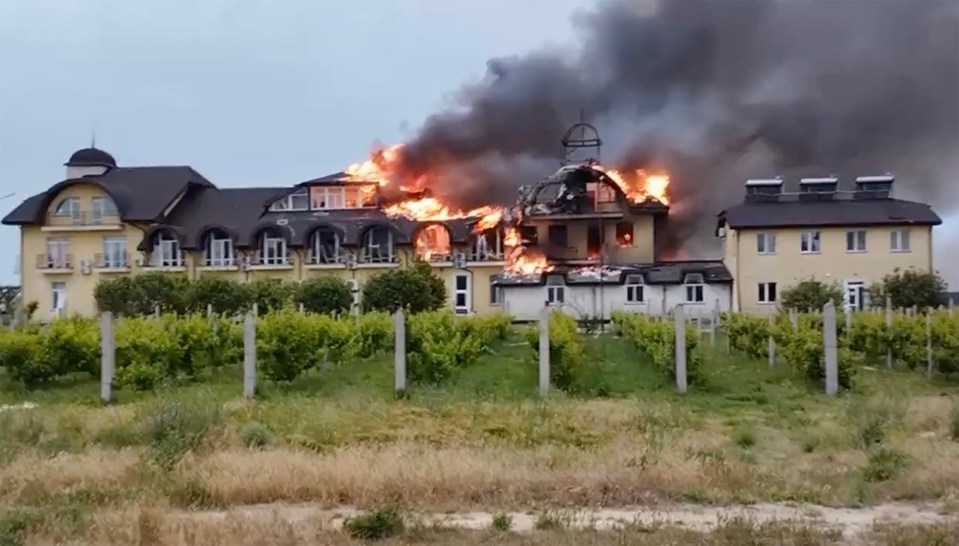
[
  {"x": 55, "y": 261},
  {"x": 119, "y": 260},
  {"x": 261, "y": 258},
  {"x": 230, "y": 261},
  {"x": 82, "y": 218},
  {"x": 154, "y": 260},
  {"x": 317, "y": 259}
]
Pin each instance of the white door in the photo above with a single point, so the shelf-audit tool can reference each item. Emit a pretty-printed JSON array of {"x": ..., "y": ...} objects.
[{"x": 855, "y": 294}]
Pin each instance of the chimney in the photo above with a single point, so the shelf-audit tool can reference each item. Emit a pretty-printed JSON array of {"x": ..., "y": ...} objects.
[
  {"x": 818, "y": 189},
  {"x": 874, "y": 187},
  {"x": 764, "y": 189}
]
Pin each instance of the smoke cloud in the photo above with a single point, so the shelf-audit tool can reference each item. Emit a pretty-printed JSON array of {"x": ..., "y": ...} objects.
[{"x": 715, "y": 93}]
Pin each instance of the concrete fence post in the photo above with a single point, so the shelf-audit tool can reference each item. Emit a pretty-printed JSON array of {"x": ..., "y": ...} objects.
[
  {"x": 713, "y": 324},
  {"x": 794, "y": 318},
  {"x": 848, "y": 312},
  {"x": 256, "y": 310},
  {"x": 544, "y": 370},
  {"x": 929, "y": 343},
  {"x": 831, "y": 348},
  {"x": 952, "y": 305},
  {"x": 680, "y": 314},
  {"x": 889, "y": 326},
  {"x": 156, "y": 311},
  {"x": 301, "y": 309},
  {"x": 209, "y": 310},
  {"x": 249, "y": 355},
  {"x": 399, "y": 351},
  {"x": 915, "y": 310},
  {"x": 772, "y": 340},
  {"x": 107, "y": 356},
  {"x": 17, "y": 318}
]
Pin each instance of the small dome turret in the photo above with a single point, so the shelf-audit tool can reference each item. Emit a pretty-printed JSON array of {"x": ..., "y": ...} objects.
[{"x": 91, "y": 157}]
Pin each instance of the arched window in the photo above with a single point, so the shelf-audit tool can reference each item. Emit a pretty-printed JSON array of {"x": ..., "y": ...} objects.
[
  {"x": 102, "y": 206},
  {"x": 486, "y": 245},
  {"x": 166, "y": 250},
  {"x": 325, "y": 246},
  {"x": 272, "y": 248},
  {"x": 432, "y": 243},
  {"x": 378, "y": 245},
  {"x": 218, "y": 249},
  {"x": 68, "y": 208}
]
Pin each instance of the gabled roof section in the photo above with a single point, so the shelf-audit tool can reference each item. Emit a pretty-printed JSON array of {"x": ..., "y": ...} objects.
[
  {"x": 847, "y": 212},
  {"x": 140, "y": 193},
  {"x": 234, "y": 210}
]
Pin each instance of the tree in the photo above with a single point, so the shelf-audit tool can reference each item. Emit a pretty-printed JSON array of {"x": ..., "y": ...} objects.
[
  {"x": 140, "y": 294},
  {"x": 910, "y": 288},
  {"x": 810, "y": 295},
  {"x": 228, "y": 297},
  {"x": 416, "y": 289},
  {"x": 326, "y": 295}
]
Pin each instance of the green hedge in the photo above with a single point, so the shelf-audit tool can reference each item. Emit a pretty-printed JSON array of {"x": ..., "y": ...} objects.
[
  {"x": 657, "y": 338},
  {"x": 566, "y": 359}
]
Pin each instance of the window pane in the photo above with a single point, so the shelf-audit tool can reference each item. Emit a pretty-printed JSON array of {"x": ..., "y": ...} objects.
[
  {"x": 771, "y": 292},
  {"x": 461, "y": 281},
  {"x": 460, "y": 299}
]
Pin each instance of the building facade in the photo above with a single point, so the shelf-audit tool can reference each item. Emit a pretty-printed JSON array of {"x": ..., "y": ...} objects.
[{"x": 852, "y": 237}]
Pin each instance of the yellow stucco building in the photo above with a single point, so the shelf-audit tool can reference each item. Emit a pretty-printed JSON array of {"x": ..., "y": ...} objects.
[
  {"x": 104, "y": 220},
  {"x": 852, "y": 237}
]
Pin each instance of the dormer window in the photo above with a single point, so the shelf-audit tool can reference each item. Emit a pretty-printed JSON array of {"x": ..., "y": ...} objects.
[
  {"x": 102, "y": 206},
  {"x": 325, "y": 246},
  {"x": 694, "y": 285},
  {"x": 323, "y": 198},
  {"x": 298, "y": 200},
  {"x": 377, "y": 245},
  {"x": 272, "y": 248},
  {"x": 68, "y": 208},
  {"x": 218, "y": 249}
]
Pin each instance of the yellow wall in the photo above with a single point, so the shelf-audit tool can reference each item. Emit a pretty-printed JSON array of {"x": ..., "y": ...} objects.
[{"x": 832, "y": 264}]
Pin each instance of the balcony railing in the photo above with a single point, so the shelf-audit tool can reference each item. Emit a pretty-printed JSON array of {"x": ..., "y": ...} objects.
[
  {"x": 317, "y": 259},
  {"x": 55, "y": 261},
  {"x": 230, "y": 261},
  {"x": 435, "y": 257},
  {"x": 82, "y": 218},
  {"x": 489, "y": 256},
  {"x": 165, "y": 262},
  {"x": 111, "y": 261},
  {"x": 368, "y": 256},
  {"x": 265, "y": 259}
]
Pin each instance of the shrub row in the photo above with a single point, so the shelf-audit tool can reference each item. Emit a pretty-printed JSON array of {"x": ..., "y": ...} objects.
[
  {"x": 565, "y": 349},
  {"x": 437, "y": 342},
  {"x": 657, "y": 339}
]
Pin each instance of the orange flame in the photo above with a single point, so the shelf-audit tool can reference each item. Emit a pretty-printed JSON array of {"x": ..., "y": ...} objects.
[{"x": 638, "y": 186}]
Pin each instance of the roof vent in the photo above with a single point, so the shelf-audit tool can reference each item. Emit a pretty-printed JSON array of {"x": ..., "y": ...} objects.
[
  {"x": 764, "y": 189},
  {"x": 874, "y": 187},
  {"x": 818, "y": 189}
]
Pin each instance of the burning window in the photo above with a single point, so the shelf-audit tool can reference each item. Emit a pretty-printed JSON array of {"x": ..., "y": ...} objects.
[
  {"x": 377, "y": 245},
  {"x": 558, "y": 235},
  {"x": 326, "y": 198},
  {"x": 624, "y": 234},
  {"x": 487, "y": 245},
  {"x": 529, "y": 235},
  {"x": 433, "y": 243},
  {"x": 602, "y": 193},
  {"x": 325, "y": 246}
]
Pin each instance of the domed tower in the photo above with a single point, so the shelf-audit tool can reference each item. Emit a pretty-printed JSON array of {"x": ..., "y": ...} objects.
[{"x": 89, "y": 162}]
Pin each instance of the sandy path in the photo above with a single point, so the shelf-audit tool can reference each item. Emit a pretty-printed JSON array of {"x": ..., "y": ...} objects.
[{"x": 851, "y": 521}]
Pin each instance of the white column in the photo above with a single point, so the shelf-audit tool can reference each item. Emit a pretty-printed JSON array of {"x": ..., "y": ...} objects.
[{"x": 680, "y": 315}]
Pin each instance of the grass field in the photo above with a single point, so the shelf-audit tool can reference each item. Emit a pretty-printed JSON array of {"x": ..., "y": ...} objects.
[{"x": 486, "y": 441}]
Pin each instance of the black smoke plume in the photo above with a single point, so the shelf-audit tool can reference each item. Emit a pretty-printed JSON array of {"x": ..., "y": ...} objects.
[{"x": 716, "y": 92}]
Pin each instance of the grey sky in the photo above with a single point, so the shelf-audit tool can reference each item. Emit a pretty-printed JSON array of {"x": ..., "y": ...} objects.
[{"x": 248, "y": 92}]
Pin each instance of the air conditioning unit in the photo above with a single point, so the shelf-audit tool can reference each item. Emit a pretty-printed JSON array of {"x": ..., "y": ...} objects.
[
  {"x": 86, "y": 267},
  {"x": 141, "y": 262},
  {"x": 351, "y": 261},
  {"x": 459, "y": 260},
  {"x": 245, "y": 263}
]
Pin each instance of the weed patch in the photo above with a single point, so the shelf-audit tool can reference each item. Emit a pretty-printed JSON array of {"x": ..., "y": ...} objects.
[
  {"x": 377, "y": 525},
  {"x": 502, "y": 522},
  {"x": 177, "y": 427},
  {"x": 884, "y": 464}
]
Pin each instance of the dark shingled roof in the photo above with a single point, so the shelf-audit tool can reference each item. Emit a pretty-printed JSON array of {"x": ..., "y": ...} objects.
[
  {"x": 657, "y": 273},
  {"x": 140, "y": 193},
  {"x": 849, "y": 212},
  {"x": 91, "y": 157}
]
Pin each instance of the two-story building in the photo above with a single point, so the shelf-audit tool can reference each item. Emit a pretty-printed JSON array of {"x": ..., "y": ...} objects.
[
  {"x": 104, "y": 220},
  {"x": 851, "y": 236}
]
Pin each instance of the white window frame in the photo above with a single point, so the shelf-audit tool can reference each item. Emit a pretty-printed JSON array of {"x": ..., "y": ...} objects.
[
  {"x": 555, "y": 290},
  {"x": 290, "y": 202},
  {"x": 765, "y": 289},
  {"x": 694, "y": 285},
  {"x": 369, "y": 247},
  {"x": 100, "y": 206},
  {"x": 635, "y": 286},
  {"x": 810, "y": 242},
  {"x": 316, "y": 248},
  {"x": 115, "y": 252},
  {"x": 218, "y": 252},
  {"x": 495, "y": 292},
  {"x": 327, "y": 198},
  {"x": 899, "y": 240},
  {"x": 464, "y": 292},
  {"x": 765, "y": 243},
  {"x": 167, "y": 252},
  {"x": 856, "y": 241},
  {"x": 273, "y": 250},
  {"x": 58, "y": 296},
  {"x": 68, "y": 207},
  {"x": 58, "y": 253}
]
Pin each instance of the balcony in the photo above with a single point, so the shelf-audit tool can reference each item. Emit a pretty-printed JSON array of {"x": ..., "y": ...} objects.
[
  {"x": 219, "y": 263},
  {"x": 163, "y": 263},
  {"x": 55, "y": 263},
  {"x": 322, "y": 261},
  {"x": 375, "y": 258},
  {"x": 489, "y": 257},
  {"x": 266, "y": 262},
  {"x": 112, "y": 263},
  {"x": 82, "y": 221}
]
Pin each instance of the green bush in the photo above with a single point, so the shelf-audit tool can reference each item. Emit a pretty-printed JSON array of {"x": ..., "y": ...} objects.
[
  {"x": 19, "y": 356},
  {"x": 271, "y": 294},
  {"x": 565, "y": 349},
  {"x": 437, "y": 343},
  {"x": 227, "y": 297},
  {"x": 70, "y": 346},
  {"x": 910, "y": 288},
  {"x": 657, "y": 339},
  {"x": 954, "y": 424},
  {"x": 416, "y": 289},
  {"x": 810, "y": 295},
  {"x": 884, "y": 464},
  {"x": 147, "y": 353},
  {"x": 256, "y": 435},
  {"x": 745, "y": 436},
  {"x": 141, "y": 294},
  {"x": 287, "y": 344},
  {"x": 377, "y": 525},
  {"x": 502, "y": 522},
  {"x": 328, "y": 295}
]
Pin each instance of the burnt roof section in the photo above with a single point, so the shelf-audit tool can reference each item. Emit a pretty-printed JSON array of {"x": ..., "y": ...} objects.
[
  {"x": 713, "y": 271},
  {"x": 335, "y": 179},
  {"x": 845, "y": 212},
  {"x": 140, "y": 193},
  {"x": 91, "y": 157},
  {"x": 241, "y": 213}
]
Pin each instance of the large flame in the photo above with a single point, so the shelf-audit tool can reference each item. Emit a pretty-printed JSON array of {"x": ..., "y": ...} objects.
[{"x": 639, "y": 186}]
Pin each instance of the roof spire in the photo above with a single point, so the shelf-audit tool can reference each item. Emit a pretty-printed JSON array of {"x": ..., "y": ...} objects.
[{"x": 93, "y": 139}]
